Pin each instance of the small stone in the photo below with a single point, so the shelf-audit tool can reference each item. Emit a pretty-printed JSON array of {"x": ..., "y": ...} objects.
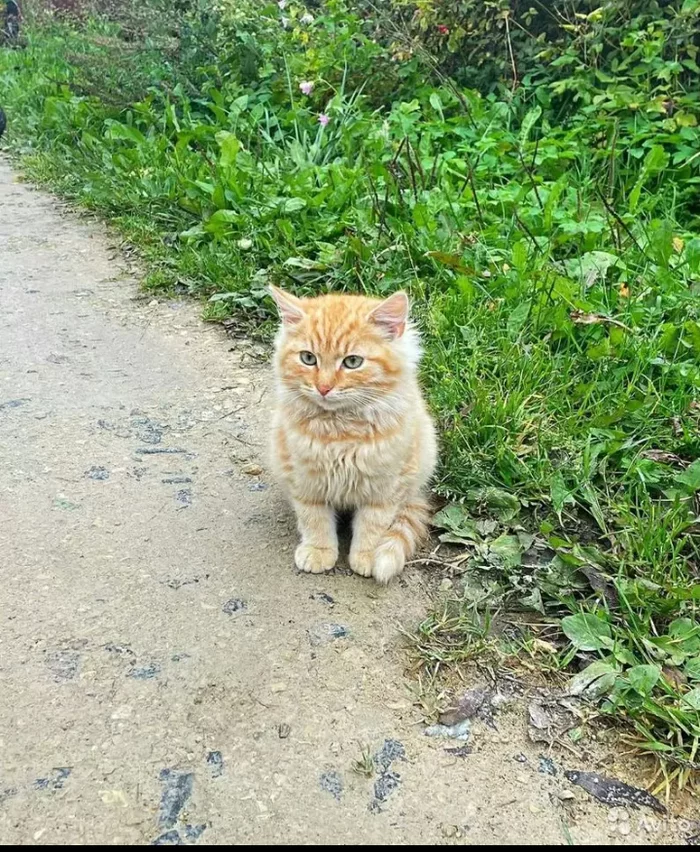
[
  {"x": 623, "y": 828},
  {"x": 253, "y": 469},
  {"x": 449, "y": 831},
  {"x": 613, "y": 816},
  {"x": 445, "y": 586},
  {"x": 499, "y": 701},
  {"x": 278, "y": 687},
  {"x": 460, "y": 731},
  {"x": 565, "y": 796},
  {"x": 153, "y": 303},
  {"x": 233, "y": 606},
  {"x": 284, "y": 730},
  {"x": 547, "y": 766}
]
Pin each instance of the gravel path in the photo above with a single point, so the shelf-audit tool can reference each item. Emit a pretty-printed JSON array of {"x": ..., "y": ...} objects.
[{"x": 165, "y": 675}]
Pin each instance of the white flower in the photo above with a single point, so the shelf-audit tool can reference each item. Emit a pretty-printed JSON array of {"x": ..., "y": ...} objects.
[
  {"x": 306, "y": 19},
  {"x": 306, "y": 87},
  {"x": 282, "y": 4}
]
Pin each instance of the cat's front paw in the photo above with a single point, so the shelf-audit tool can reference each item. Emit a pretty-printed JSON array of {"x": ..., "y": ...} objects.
[
  {"x": 362, "y": 562},
  {"x": 315, "y": 560}
]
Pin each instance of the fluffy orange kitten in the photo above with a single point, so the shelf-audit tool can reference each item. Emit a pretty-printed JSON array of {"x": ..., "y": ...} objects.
[{"x": 351, "y": 429}]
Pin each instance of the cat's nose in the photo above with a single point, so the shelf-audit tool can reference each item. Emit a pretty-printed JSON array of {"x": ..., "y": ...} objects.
[{"x": 324, "y": 390}]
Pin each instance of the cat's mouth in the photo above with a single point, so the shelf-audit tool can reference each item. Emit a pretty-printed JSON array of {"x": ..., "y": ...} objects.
[{"x": 333, "y": 400}]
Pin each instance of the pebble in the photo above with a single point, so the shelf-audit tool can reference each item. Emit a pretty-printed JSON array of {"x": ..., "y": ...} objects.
[
  {"x": 253, "y": 469},
  {"x": 460, "y": 731},
  {"x": 445, "y": 586},
  {"x": 565, "y": 796},
  {"x": 623, "y": 828},
  {"x": 498, "y": 701}
]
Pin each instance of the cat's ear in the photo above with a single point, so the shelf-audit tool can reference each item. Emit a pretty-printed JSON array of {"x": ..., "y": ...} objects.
[
  {"x": 391, "y": 315},
  {"x": 290, "y": 308}
]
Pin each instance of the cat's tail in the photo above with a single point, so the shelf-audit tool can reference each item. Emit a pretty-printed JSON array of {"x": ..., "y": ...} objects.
[{"x": 409, "y": 528}]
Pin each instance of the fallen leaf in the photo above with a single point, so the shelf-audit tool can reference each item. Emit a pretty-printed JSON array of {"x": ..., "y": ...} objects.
[
  {"x": 601, "y": 585},
  {"x": 548, "y": 720},
  {"x": 582, "y": 318},
  {"x": 662, "y": 456},
  {"x": 674, "y": 677},
  {"x": 614, "y": 793},
  {"x": 678, "y": 244},
  {"x": 468, "y": 706}
]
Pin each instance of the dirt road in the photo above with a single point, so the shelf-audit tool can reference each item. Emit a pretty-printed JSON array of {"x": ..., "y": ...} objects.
[{"x": 165, "y": 675}]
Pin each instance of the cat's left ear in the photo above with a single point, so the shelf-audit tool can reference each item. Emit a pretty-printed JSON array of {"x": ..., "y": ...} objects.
[
  {"x": 290, "y": 308},
  {"x": 392, "y": 314}
]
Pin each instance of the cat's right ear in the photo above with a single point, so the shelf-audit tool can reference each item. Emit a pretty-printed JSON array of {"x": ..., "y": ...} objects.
[{"x": 290, "y": 308}]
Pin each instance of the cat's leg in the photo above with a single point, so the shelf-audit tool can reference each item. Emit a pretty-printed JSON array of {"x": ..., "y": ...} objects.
[
  {"x": 318, "y": 550},
  {"x": 369, "y": 526}
]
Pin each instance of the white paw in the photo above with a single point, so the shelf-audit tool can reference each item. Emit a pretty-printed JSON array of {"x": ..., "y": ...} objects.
[
  {"x": 388, "y": 563},
  {"x": 315, "y": 560},
  {"x": 362, "y": 562}
]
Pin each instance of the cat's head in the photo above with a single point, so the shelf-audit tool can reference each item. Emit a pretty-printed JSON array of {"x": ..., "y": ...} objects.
[{"x": 341, "y": 352}]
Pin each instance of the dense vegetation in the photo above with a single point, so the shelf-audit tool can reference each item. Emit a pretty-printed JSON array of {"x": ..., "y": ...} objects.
[{"x": 546, "y": 223}]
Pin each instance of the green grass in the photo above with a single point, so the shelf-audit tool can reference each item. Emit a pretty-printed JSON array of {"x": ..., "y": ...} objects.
[{"x": 549, "y": 241}]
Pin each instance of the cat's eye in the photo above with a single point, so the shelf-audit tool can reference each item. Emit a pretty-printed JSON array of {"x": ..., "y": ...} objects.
[
  {"x": 352, "y": 362},
  {"x": 307, "y": 358}
]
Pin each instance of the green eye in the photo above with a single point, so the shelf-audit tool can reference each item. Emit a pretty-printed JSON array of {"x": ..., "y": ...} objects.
[
  {"x": 307, "y": 358},
  {"x": 352, "y": 362}
]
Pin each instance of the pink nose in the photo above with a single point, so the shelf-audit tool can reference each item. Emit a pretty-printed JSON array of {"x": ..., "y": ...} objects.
[{"x": 324, "y": 390}]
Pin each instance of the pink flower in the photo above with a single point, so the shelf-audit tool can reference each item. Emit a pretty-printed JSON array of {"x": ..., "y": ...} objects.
[
  {"x": 323, "y": 119},
  {"x": 306, "y": 87},
  {"x": 443, "y": 30}
]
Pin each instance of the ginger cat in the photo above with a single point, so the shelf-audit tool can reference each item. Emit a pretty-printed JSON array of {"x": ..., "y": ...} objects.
[{"x": 351, "y": 429}]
